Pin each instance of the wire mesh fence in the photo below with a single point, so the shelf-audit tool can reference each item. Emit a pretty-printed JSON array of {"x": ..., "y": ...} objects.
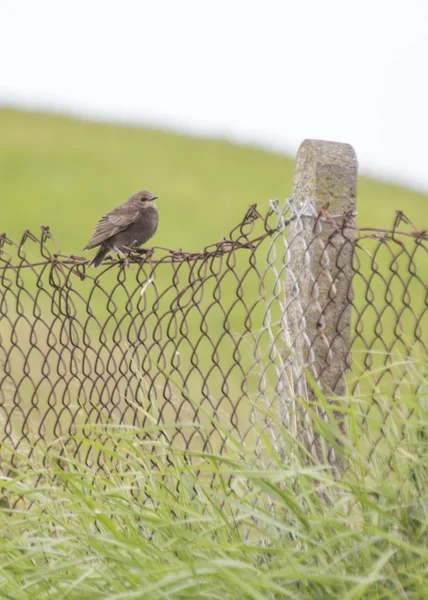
[{"x": 203, "y": 345}]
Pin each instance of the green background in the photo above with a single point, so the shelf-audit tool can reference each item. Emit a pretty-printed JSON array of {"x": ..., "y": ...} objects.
[
  {"x": 78, "y": 351},
  {"x": 67, "y": 173}
]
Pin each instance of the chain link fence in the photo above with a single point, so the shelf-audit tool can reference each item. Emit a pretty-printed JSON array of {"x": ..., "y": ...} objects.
[
  {"x": 199, "y": 343},
  {"x": 224, "y": 343}
]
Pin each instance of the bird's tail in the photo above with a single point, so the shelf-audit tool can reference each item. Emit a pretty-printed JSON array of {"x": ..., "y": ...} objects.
[{"x": 99, "y": 257}]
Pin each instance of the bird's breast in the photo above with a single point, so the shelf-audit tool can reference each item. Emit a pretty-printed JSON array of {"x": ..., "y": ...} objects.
[
  {"x": 149, "y": 214},
  {"x": 144, "y": 226}
]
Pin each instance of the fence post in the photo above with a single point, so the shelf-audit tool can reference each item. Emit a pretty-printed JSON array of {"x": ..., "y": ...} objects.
[{"x": 318, "y": 289}]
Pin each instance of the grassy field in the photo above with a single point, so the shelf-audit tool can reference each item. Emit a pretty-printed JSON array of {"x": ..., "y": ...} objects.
[
  {"x": 223, "y": 527},
  {"x": 155, "y": 525},
  {"x": 66, "y": 173}
]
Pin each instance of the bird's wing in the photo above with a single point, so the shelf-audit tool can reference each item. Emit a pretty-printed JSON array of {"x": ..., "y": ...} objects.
[{"x": 111, "y": 224}]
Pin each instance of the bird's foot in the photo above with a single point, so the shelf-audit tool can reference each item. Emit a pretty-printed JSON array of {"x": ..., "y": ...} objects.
[
  {"x": 125, "y": 260},
  {"x": 137, "y": 250}
]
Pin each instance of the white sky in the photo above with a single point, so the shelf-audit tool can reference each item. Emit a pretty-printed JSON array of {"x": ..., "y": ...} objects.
[{"x": 268, "y": 72}]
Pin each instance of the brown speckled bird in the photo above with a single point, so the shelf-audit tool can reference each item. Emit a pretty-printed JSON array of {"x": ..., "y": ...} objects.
[{"x": 126, "y": 227}]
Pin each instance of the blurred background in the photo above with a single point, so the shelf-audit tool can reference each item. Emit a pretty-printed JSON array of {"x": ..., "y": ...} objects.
[{"x": 205, "y": 104}]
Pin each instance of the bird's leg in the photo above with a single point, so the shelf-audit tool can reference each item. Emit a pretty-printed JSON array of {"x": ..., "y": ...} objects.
[
  {"x": 141, "y": 250},
  {"x": 133, "y": 248},
  {"x": 118, "y": 251},
  {"x": 122, "y": 256}
]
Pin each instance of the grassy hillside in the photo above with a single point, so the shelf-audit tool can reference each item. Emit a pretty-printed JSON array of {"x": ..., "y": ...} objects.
[
  {"x": 66, "y": 173},
  {"x": 154, "y": 526}
]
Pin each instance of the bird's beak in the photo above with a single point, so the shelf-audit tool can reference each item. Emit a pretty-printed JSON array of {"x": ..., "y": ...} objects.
[{"x": 154, "y": 198}]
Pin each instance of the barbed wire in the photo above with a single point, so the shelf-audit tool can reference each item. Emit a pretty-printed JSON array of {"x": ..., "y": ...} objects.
[{"x": 225, "y": 246}]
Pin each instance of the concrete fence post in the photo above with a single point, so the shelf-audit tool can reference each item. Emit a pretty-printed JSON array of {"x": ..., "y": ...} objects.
[{"x": 319, "y": 273}]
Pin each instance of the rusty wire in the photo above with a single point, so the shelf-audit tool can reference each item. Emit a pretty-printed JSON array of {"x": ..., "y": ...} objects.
[{"x": 192, "y": 340}]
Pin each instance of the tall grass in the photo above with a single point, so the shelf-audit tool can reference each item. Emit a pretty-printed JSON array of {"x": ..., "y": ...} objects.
[{"x": 156, "y": 522}]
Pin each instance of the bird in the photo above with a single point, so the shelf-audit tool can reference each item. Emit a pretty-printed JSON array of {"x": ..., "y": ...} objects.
[{"x": 126, "y": 227}]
